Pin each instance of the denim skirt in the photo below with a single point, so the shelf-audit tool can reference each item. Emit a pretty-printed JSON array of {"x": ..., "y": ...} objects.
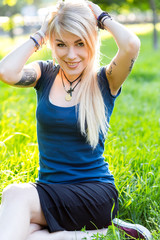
[{"x": 73, "y": 206}]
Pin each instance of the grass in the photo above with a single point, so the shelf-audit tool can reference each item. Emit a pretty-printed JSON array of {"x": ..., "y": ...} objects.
[{"x": 132, "y": 147}]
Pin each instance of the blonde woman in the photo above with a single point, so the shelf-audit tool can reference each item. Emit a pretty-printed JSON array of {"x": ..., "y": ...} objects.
[{"x": 75, "y": 101}]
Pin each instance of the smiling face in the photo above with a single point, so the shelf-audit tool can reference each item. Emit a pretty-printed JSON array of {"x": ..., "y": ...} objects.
[{"x": 71, "y": 53}]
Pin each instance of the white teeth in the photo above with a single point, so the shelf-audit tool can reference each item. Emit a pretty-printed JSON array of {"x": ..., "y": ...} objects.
[{"x": 72, "y": 64}]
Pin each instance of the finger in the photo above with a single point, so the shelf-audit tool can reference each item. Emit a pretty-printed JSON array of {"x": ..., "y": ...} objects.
[{"x": 91, "y": 7}]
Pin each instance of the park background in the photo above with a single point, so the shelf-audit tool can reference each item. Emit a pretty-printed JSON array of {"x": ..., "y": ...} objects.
[{"x": 133, "y": 144}]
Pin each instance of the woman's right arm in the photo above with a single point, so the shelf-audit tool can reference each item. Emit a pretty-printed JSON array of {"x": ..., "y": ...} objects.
[{"x": 13, "y": 70}]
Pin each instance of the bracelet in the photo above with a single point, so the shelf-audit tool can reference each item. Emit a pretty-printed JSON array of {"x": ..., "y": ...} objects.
[
  {"x": 42, "y": 39},
  {"x": 100, "y": 20},
  {"x": 41, "y": 33},
  {"x": 103, "y": 19},
  {"x": 42, "y": 36},
  {"x": 36, "y": 43}
]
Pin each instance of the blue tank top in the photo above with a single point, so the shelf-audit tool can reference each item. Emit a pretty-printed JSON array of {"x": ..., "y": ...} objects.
[{"x": 64, "y": 154}]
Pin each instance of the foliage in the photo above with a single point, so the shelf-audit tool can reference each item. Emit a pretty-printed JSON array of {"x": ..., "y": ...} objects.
[
  {"x": 11, "y": 7},
  {"x": 14, "y": 2},
  {"x": 129, "y": 4}
]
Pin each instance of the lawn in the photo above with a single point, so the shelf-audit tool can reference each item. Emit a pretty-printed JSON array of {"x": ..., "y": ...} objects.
[{"x": 133, "y": 144}]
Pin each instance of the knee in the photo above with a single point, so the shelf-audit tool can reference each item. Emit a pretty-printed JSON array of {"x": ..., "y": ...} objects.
[
  {"x": 14, "y": 192},
  {"x": 9, "y": 192},
  {"x": 23, "y": 196}
]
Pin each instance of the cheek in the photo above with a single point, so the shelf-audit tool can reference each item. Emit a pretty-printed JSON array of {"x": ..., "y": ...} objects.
[
  {"x": 83, "y": 54},
  {"x": 59, "y": 53},
  {"x": 86, "y": 56}
]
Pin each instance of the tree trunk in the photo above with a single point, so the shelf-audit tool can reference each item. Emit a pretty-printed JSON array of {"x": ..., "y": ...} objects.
[
  {"x": 11, "y": 27},
  {"x": 155, "y": 35}
]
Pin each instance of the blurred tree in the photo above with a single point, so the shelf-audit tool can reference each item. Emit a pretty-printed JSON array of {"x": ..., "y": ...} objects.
[
  {"x": 154, "y": 5},
  {"x": 155, "y": 20},
  {"x": 143, "y": 5},
  {"x": 11, "y": 7}
]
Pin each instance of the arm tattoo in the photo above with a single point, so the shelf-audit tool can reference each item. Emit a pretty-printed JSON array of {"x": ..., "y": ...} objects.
[
  {"x": 110, "y": 71},
  {"x": 111, "y": 68},
  {"x": 132, "y": 63},
  {"x": 114, "y": 63},
  {"x": 29, "y": 77}
]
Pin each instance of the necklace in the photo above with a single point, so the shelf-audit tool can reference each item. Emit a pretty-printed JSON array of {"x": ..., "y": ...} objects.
[
  {"x": 73, "y": 80},
  {"x": 68, "y": 97}
]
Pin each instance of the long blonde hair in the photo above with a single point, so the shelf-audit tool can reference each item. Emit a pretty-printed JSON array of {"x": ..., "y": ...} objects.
[{"x": 77, "y": 18}]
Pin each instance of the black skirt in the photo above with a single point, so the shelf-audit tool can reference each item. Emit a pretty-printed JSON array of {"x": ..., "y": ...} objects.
[{"x": 73, "y": 206}]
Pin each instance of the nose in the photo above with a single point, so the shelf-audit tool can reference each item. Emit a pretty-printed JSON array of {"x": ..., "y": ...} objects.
[{"x": 71, "y": 53}]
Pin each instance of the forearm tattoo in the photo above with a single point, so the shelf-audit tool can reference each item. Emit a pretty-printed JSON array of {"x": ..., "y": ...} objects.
[
  {"x": 29, "y": 77},
  {"x": 132, "y": 63},
  {"x": 111, "y": 68}
]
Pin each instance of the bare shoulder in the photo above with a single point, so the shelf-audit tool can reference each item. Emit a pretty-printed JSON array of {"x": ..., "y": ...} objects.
[{"x": 29, "y": 76}]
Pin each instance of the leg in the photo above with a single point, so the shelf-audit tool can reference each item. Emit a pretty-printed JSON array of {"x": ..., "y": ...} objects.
[
  {"x": 78, "y": 235},
  {"x": 67, "y": 235},
  {"x": 20, "y": 207},
  {"x": 34, "y": 227}
]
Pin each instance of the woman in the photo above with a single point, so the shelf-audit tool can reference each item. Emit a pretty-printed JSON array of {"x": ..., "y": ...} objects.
[{"x": 75, "y": 101}]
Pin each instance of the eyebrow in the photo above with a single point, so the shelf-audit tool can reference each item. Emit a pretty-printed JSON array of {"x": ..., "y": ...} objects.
[{"x": 79, "y": 40}]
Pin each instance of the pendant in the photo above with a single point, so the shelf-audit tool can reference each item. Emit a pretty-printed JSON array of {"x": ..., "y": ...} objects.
[{"x": 68, "y": 97}]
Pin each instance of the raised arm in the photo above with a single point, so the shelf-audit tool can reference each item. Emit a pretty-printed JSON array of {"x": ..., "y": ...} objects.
[
  {"x": 128, "y": 47},
  {"x": 13, "y": 70}
]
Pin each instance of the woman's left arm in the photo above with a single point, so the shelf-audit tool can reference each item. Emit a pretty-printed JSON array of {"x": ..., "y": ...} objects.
[{"x": 128, "y": 47}]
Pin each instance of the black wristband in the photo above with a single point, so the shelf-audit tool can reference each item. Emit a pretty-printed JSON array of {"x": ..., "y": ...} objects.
[
  {"x": 37, "y": 45},
  {"x": 100, "y": 18}
]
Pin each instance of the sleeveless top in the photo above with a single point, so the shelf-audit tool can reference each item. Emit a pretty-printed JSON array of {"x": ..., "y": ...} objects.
[{"x": 64, "y": 154}]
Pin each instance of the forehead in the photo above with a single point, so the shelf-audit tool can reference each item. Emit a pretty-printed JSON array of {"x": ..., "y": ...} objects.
[{"x": 66, "y": 37}]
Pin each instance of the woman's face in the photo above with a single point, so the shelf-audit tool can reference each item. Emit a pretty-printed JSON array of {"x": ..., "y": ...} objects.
[{"x": 71, "y": 53}]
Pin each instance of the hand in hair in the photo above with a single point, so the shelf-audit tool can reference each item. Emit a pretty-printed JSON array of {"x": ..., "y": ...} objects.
[
  {"x": 95, "y": 9},
  {"x": 48, "y": 18}
]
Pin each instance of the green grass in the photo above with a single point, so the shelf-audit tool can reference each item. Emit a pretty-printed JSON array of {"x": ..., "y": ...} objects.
[{"x": 132, "y": 147}]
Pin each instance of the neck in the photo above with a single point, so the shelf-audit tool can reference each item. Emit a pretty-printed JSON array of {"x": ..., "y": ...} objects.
[{"x": 73, "y": 79}]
